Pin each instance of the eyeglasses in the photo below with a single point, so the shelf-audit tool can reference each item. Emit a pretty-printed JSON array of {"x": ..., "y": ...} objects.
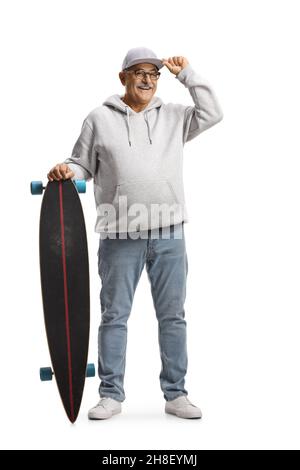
[{"x": 141, "y": 74}]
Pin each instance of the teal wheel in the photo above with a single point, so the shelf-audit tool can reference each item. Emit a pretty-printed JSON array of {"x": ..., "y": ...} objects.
[
  {"x": 36, "y": 187},
  {"x": 90, "y": 370},
  {"x": 80, "y": 186},
  {"x": 46, "y": 373}
]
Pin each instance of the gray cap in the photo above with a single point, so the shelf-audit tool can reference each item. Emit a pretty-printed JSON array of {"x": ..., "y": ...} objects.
[{"x": 140, "y": 55}]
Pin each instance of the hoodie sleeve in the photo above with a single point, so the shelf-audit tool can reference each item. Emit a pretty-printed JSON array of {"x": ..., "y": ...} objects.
[
  {"x": 206, "y": 111},
  {"x": 83, "y": 160}
]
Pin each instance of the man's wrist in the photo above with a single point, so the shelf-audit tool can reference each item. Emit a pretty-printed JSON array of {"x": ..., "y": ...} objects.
[{"x": 184, "y": 73}]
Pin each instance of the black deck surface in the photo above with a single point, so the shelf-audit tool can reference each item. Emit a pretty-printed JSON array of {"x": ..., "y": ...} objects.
[{"x": 65, "y": 289}]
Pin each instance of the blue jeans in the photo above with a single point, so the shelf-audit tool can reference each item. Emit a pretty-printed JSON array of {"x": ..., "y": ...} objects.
[{"x": 121, "y": 262}]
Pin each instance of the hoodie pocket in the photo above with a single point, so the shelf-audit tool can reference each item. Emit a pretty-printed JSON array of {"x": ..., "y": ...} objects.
[{"x": 147, "y": 192}]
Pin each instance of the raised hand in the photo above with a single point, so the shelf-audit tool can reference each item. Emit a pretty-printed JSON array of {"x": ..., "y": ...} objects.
[{"x": 175, "y": 64}]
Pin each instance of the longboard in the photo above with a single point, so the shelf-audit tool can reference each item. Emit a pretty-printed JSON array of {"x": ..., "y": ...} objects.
[{"x": 64, "y": 271}]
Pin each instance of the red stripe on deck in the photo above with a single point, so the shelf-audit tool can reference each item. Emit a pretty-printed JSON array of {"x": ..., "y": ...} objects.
[{"x": 64, "y": 266}]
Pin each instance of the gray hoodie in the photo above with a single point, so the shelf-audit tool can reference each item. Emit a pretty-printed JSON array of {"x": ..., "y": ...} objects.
[{"x": 137, "y": 158}]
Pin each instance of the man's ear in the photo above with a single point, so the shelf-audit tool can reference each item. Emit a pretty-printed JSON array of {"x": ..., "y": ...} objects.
[{"x": 122, "y": 78}]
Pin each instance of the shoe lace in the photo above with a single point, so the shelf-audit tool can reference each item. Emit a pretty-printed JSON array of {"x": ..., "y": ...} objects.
[
  {"x": 103, "y": 401},
  {"x": 188, "y": 401}
]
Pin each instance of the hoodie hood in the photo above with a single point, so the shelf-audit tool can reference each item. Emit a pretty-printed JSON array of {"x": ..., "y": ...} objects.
[{"x": 116, "y": 103}]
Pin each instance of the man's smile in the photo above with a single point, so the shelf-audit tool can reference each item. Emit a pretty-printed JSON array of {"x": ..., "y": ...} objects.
[{"x": 145, "y": 87}]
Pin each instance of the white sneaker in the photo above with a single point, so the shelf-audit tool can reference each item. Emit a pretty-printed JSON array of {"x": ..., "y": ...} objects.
[
  {"x": 106, "y": 408},
  {"x": 183, "y": 408}
]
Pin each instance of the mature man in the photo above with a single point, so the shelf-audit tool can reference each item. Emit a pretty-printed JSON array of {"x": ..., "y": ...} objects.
[{"x": 132, "y": 146}]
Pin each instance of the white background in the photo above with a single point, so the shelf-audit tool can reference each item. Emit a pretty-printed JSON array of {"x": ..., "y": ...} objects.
[{"x": 59, "y": 60}]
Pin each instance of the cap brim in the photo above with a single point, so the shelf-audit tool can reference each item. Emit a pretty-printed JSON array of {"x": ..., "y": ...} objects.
[{"x": 156, "y": 62}]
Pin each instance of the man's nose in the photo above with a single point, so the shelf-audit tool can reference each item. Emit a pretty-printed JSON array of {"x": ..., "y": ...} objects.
[{"x": 147, "y": 79}]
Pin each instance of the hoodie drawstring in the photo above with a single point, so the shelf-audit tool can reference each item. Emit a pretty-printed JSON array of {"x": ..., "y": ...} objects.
[
  {"x": 128, "y": 125},
  {"x": 147, "y": 122}
]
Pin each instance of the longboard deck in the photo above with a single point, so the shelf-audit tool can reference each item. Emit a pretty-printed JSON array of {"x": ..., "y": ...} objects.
[{"x": 65, "y": 289}]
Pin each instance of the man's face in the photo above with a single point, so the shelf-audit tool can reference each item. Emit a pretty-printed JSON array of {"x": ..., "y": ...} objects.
[{"x": 139, "y": 89}]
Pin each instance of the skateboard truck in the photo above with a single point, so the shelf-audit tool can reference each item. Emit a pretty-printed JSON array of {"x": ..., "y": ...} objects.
[
  {"x": 36, "y": 187},
  {"x": 46, "y": 373}
]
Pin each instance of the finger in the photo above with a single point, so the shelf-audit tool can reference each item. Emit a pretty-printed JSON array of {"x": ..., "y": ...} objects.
[
  {"x": 169, "y": 66},
  {"x": 54, "y": 178},
  {"x": 49, "y": 177},
  {"x": 171, "y": 61},
  {"x": 58, "y": 171},
  {"x": 165, "y": 62},
  {"x": 56, "y": 174},
  {"x": 70, "y": 174},
  {"x": 63, "y": 168}
]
